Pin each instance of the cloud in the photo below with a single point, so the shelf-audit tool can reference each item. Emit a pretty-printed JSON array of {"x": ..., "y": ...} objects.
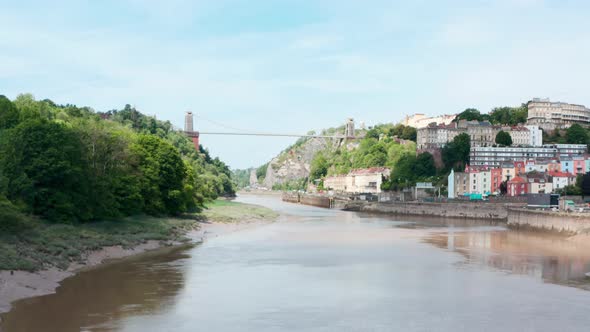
[{"x": 376, "y": 62}]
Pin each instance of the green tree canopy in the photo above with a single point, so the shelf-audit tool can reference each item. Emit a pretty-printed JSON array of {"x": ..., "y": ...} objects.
[
  {"x": 503, "y": 138},
  {"x": 471, "y": 114},
  {"x": 509, "y": 115},
  {"x": 319, "y": 166},
  {"x": 404, "y": 170},
  {"x": 163, "y": 172},
  {"x": 425, "y": 166},
  {"x": 576, "y": 134},
  {"x": 43, "y": 165},
  {"x": 9, "y": 115},
  {"x": 456, "y": 154}
]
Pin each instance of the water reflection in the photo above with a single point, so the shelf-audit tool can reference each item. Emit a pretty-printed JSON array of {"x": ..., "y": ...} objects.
[
  {"x": 551, "y": 258},
  {"x": 327, "y": 270},
  {"x": 128, "y": 288}
]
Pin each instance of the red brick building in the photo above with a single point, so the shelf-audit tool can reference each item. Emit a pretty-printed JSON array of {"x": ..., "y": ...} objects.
[{"x": 517, "y": 186}]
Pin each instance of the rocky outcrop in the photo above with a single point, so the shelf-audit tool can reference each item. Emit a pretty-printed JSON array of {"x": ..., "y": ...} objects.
[{"x": 295, "y": 162}]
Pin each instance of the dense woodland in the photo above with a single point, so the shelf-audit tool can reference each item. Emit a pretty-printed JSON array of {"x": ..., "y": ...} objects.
[{"x": 70, "y": 164}]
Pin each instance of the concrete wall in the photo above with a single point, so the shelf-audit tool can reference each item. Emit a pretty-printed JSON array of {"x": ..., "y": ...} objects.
[
  {"x": 290, "y": 197},
  {"x": 546, "y": 220},
  {"x": 314, "y": 200},
  {"x": 474, "y": 210},
  {"x": 320, "y": 201}
]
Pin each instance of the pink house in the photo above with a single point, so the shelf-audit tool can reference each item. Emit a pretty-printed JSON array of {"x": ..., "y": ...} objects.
[{"x": 579, "y": 165}]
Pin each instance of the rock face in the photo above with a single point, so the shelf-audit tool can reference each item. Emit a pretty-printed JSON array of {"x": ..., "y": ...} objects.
[{"x": 295, "y": 163}]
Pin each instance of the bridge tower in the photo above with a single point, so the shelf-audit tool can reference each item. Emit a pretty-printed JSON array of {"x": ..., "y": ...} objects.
[
  {"x": 189, "y": 129},
  {"x": 349, "y": 128}
]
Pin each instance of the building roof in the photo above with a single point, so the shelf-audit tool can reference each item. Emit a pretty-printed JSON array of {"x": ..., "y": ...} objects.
[
  {"x": 561, "y": 174},
  {"x": 517, "y": 179},
  {"x": 368, "y": 171}
]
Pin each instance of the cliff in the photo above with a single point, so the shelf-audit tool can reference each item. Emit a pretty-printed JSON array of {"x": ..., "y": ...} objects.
[{"x": 295, "y": 162}]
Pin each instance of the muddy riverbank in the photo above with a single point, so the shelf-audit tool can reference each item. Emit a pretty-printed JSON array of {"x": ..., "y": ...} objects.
[{"x": 224, "y": 218}]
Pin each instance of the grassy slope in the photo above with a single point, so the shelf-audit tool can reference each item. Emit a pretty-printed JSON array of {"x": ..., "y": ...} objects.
[
  {"x": 43, "y": 245},
  {"x": 228, "y": 211}
]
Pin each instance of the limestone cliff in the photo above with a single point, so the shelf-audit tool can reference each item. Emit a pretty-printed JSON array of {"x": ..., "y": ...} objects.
[{"x": 294, "y": 163}]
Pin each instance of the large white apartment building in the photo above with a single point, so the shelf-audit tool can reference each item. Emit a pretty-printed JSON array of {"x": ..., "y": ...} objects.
[
  {"x": 552, "y": 115},
  {"x": 496, "y": 156},
  {"x": 482, "y": 134},
  {"x": 525, "y": 135}
]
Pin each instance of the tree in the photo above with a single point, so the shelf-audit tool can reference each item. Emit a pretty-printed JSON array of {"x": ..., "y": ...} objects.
[
  {"x": 9, "y": 115},
  {"x": 409, "y": 133},
  {"x": 404, "y": 170},
  {"x": 44, "y": 169},
  {"x": 503, "y": 188},
  {"x": 470, "y": 114},
  {"x": 163, "y": 173},
  {"x": 456, "y": 154},
  {"x": 509, "y": 115},
  {"x": 503, "y": 138},
  {"x": 576, "y": 134},
  {"x": 261, "y": 172},
  {"x": 425, "y": 166},
  {"x": 376, "y": 156},
  {"x": 319, "y": 167}
]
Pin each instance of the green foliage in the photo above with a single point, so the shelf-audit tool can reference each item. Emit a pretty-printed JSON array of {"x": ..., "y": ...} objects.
[
  {"x": 425, "y": 166},
  {"x": 509, "y": 115},
  {"x": 319, "y": 166},
  {"x": 503, "y": 138},
  {"x": 11, "y": 219},
  {"x": 261, "y": 172},
  {"x": 228, "y": 211},
  {"x": 163, "y": 173},
  {"x": 456, "y": 154},
  {"x": 403, "y": 132},
  {"x": 9, "y": 115},
  {"x": 471, "y": 114},
  {"x": 410, "y": 169},
  {"x": 67, "y": 163},
  {"x": 576, "y": 134},
  {"x": 404, "y": 170},
  {"x": 241, "y": 177},
  {"x": 44, "y": 170}
]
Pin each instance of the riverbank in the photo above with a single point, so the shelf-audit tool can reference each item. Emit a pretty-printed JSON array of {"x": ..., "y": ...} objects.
[
  {"x": 468, "y": 210},
  {"x": 36, "y": 261}
]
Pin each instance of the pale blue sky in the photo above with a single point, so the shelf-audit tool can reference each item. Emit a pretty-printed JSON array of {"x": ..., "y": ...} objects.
[{"x": 292, "y": 66}]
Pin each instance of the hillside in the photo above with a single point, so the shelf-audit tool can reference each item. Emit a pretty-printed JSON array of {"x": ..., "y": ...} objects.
[
  {"x": 314, "y": 158},
  {"x": 68, "y": 164}
]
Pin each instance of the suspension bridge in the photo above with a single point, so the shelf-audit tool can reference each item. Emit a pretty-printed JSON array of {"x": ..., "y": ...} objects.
[{"x": 349, "y": 131}]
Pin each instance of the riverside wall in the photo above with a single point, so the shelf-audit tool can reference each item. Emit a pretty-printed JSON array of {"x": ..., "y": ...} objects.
[
  {"x": 306, "y": 199},
  {"x": 562, "y": 222},
  {"x": 470, "y": 210}
]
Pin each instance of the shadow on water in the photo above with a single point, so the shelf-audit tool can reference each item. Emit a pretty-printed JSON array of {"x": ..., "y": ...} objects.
[
  {"x": 141, "y": 285},
  {"x": 551, "y": 258}
]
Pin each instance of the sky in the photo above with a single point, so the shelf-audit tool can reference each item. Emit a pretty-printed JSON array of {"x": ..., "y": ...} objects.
[{"x": 290, "y": 66}]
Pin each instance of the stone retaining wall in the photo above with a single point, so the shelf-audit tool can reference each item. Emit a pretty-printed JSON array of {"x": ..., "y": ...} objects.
[
  {"x": 562, "y": 222},
  {"x": 487, "y": 211}
]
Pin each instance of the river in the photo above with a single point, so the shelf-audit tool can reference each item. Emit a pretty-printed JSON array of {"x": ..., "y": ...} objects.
[{"x": 327, "y": 270}]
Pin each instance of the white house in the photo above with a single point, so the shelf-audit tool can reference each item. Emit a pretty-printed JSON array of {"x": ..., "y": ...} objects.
[{"x": 364, "y": 180}]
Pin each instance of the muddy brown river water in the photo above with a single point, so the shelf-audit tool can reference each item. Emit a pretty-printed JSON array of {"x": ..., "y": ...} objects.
[{"x": 327, "y": 270}]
